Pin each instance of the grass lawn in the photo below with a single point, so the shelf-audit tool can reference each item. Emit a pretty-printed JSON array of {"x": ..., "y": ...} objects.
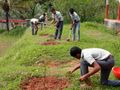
[{"x": 23, "y": 56}]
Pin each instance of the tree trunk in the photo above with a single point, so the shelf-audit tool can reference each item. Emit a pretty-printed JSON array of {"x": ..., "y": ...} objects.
[
  {"x": 7, "y": 21},
  {"x": 6, "y": 9}
]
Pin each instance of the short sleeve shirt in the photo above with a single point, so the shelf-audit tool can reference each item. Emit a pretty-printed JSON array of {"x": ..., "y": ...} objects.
[
  {"x": 58, "y": 16},
  {"x": 75, "y": 16},
  {"x": 92, "y": 54},
  {"x": 41, "y": 17},
  {"x": 34, "y": 20}
]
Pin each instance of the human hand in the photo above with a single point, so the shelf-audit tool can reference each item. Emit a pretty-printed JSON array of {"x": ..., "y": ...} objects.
[
  {"x": 82, "y": 78},
  {"x": 70, "y": 72}
]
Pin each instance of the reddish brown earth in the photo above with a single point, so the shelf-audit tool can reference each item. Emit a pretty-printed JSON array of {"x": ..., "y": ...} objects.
[
  {"x": 50, "y": 82},
  {"x": 50, "y": 43},
  {"x": 45, "y": 83}
]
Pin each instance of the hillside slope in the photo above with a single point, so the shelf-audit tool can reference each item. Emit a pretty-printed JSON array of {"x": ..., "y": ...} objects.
[{"x": 24, "y": 57}]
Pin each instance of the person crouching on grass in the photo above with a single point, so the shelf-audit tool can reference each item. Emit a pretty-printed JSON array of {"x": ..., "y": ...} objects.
[
  {"x": 97, "y": 58},
  {"x": 34, "y": 26},
  {"x": 75, "y": 27},
  {"x": 58, "y": 19}
]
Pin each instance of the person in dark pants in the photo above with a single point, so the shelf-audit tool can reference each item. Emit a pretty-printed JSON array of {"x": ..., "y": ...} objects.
[
  {"x": 97, "y": 58},
  {"x": 58, "y": 19},
  {"x": 34, "y": 26}
]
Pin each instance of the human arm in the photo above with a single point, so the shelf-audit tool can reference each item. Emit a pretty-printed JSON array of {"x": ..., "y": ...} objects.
[
  {"x": 96, "y": 68},
  {"x": 74, "y": 68}
]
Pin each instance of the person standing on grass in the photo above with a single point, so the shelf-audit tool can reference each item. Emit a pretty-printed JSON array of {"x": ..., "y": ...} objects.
[
  {"x": 34, "y": 26},
  {"x": 43, "y": 20},
  {"x": 75, "y": 26},
  {"x": 97, "y": 58},
  {"x": 58, "y": 19}
]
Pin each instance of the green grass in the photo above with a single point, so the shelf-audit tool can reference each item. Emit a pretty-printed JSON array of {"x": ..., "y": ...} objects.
[
  {"x": 25, "y": 50},
  {"x": 7, "y": 39}
]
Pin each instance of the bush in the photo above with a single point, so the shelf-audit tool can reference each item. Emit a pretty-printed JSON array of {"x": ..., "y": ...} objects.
[{"x": 89, "y": 10}]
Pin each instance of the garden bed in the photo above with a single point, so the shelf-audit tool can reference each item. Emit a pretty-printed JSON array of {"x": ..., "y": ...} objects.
[{"x": 45, "y": 83}]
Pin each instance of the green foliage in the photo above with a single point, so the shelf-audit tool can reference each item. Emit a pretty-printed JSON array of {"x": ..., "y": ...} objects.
[
  {"x": 89, "y": 10},
  {"x": 113, "y": 7},
  {"x": 16, "y": 32},
  {"x": 1, "y": 31}
]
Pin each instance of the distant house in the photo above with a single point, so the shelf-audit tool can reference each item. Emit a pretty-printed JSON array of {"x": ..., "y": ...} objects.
[{"x": 12, "y": 23}]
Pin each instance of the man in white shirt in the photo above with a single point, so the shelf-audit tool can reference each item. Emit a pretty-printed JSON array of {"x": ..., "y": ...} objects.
[
  {"x": 43, "y": 20},
  {"x": 97, "y": 58},
  {"x": 34, "y": 26},
  {"x": 75, "y": 27},
  {"x": 58, "y": 19}
]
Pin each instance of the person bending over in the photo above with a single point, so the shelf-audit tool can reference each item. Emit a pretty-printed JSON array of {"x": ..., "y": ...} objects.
[
  {"x": 97, "y": 58},
  {"x": 58, "y": 19}
]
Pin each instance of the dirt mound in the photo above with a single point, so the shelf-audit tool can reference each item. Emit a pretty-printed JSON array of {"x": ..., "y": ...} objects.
[
  {"x": 45, "y": 83},
  {"x": 50, "y": 43}
]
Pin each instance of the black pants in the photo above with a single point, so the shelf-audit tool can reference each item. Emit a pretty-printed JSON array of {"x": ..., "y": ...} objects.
[
  {"x": 106, "y": 66},
  {"x": 59, "y": 28},
  {"x": 34, "y": 29}
]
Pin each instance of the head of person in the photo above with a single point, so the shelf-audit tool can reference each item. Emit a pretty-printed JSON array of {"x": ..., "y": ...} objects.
[
  {"x": 76, "y": 52},
  {"x": 53, "y": 10},
  {"x": 44, "y": 14},
  {"x": 71, "y": 11}
]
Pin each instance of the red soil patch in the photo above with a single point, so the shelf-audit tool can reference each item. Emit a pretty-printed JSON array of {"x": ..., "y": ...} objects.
[
  {"x": 45, "y": 83},
  {"x": 50, "y": 43}
]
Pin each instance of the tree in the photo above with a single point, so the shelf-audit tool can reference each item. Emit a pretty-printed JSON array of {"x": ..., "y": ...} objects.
[{"x": 6, "y": 9}]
